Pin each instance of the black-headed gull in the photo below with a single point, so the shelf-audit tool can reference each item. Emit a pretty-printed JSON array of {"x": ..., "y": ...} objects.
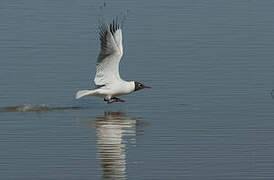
[{"x": 107, "y": 78}]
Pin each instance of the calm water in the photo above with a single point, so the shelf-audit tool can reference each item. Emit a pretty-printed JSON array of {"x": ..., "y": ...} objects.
[{"x": 209, "y": 114}]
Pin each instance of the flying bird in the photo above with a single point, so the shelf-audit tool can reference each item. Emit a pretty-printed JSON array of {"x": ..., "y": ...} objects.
[{"x": 109, "y": 84}]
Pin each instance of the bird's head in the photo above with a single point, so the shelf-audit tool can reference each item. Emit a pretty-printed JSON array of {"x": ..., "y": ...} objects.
[{"x": 139, "y": 86}]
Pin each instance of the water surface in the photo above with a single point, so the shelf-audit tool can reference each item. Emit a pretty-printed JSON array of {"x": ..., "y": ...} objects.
[{"x": 209, "y": 114}]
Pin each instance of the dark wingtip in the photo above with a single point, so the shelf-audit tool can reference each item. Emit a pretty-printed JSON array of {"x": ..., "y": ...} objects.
[{"x": 112, "y": 27}]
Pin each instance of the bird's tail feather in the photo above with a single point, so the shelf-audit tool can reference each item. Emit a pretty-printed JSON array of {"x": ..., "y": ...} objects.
[{"x": 82, "y": 93}]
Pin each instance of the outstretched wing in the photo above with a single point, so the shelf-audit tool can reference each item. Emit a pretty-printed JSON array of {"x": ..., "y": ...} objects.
[{"x": 107, "y": 68}]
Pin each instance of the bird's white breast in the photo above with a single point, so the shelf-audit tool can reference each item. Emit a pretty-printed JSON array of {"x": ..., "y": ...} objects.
[{"x": 122, "y": 88}]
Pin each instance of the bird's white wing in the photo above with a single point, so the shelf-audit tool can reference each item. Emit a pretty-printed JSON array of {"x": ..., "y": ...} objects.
[{"x": 107, "y": 69}]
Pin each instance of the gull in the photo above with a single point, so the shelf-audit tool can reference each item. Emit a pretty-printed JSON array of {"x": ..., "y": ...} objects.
[{"x": 108, "y": 82}]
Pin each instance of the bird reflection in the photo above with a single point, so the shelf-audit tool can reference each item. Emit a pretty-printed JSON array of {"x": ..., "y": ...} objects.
[{"x": 115, "y": 131}]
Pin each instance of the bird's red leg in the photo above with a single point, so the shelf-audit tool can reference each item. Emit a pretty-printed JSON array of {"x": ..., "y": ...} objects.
[
  {"x": 121, "y": 100},
  {"x": 118, "y": 99},
  {"x": 115, "y": 99}
]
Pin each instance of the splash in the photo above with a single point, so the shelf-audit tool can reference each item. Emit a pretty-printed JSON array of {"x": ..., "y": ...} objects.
[{"x": 32, "y": 108}]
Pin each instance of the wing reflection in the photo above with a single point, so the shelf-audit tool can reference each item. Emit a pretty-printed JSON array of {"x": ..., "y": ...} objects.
[{"x": 115, "y": 131}]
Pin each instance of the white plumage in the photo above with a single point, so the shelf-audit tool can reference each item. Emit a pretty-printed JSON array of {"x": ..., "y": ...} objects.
[{"x": 107, "y": 76}]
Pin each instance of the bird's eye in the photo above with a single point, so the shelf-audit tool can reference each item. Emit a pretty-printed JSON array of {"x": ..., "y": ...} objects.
[{"x": 140, "y": 85}]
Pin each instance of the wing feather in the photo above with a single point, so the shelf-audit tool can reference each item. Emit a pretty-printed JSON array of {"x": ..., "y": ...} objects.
[{"x": 107, "y": 69}]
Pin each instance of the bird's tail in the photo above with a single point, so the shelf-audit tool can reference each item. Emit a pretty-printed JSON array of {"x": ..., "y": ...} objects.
[{"x": 82, "y": 93}]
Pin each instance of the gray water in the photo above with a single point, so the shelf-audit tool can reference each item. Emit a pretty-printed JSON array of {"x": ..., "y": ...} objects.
[{"x": 209, "y": 114}]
